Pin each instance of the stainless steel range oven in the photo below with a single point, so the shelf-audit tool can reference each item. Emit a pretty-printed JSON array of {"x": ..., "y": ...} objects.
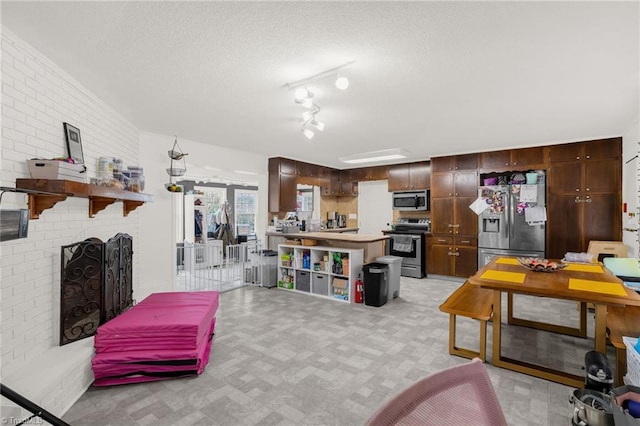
[{"x": 408, "y": 241}]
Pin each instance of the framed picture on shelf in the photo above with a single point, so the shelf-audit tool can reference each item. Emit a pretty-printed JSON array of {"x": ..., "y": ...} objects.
[{"x": 74, "y": 143}]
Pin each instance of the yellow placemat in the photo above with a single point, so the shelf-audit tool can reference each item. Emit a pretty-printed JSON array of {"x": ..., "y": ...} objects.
[
  {"x": 512, "y": 277},
  {"x": 614, "y": 289},
  {"x": 508, "y": 261},
  {"x": 584, "y": 268}
]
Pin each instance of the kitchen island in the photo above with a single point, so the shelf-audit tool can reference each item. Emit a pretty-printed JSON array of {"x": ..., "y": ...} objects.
[
  {"x": 273, "y": 239},
  {"x": 372, "y": 244}
]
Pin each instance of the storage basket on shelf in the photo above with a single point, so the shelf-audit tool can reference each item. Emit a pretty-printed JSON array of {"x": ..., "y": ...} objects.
[{"x": 56, "y": 170}]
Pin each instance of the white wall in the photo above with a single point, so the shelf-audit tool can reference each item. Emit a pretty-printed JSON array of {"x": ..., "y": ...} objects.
[
  {"x": 631, "y": 187},
  {"x": 157, "y": 254},
  {"x": 37, "y": 97}
]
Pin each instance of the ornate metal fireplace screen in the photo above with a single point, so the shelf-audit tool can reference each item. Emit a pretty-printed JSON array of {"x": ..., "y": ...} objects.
[{"x": 95, "y": 285}]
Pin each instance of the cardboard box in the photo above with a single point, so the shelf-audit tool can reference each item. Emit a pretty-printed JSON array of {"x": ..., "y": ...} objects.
[
  {"x": 54, "y": 169},
  {"x": 340, "y": 283}
]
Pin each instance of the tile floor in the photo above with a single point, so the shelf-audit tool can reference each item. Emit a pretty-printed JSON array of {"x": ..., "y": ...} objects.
[{"x": 284, "y": 358}]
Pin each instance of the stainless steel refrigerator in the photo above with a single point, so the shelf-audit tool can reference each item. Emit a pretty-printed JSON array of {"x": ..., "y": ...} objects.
[{"x": 503, "y": 229}]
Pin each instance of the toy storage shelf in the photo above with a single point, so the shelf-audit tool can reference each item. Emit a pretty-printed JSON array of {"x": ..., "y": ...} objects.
[{"x": 328, "y": 272}]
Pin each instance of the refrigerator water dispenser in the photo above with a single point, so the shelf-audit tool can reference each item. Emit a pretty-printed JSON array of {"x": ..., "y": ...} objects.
[{"x": 490, "y": 225}]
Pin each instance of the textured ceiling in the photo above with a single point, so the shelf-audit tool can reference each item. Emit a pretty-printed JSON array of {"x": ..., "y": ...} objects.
[{"x": 433, "y": 78}]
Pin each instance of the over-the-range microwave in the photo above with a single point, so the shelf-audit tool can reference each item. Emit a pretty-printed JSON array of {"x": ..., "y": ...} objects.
[{"x": 411, "y": 200}]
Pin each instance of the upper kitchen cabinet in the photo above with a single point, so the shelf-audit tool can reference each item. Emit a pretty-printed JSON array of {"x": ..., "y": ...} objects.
[
  {"x": 285, "y": 165},
  {"x": 362, "y": 174},
  {"x": 332, "y": 187},
  {"x": 515, "y": 159},
  {"x": 349, "y": 183},
  {"x": 585, "y": 195},
  {"x": 454, "y": 176},
  {"x": 454, "y": 162},
  {"x": 410, "y": 176},
  {"x": 581, "y": 151},
  {"x": 583, "y": 168},
  {"x": 303, "y": 169},
  {"x": 282, "y": 185}
]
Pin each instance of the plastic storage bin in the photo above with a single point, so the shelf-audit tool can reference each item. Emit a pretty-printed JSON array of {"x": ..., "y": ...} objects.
[
  {"x": 633, "y": 361},
  {"x": 376, "y": 283},
  {"x": 395, "y": 266},
  {"x": 303, "y": 281},
  {"x": 320, "y": 284}
]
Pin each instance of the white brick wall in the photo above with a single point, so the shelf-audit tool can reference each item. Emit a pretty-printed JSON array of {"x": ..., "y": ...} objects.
[{"x": 37, "y": 97}]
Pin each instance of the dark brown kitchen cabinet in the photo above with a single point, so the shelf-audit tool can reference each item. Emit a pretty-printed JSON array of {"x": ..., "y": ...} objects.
[
  {"x": 334, "y": 186},
  {"x": 585, "y": 195},
  {"x": 454, "y": 162},
  {"x": 349, "y": 188},
  {"x": 454, "y": 226},
  {"x": 314, "y": 171},
  {"x": 409, "y": 176},
  {"x": 439, "y": 256},
  {"x": 286, "y": 166},
  {"x": 362, "y": 174},
  {"x": 515, "y": 159},
  {"x": 451, "y": 216},
  {"x": 303, "y": 169},
  {"x": 452, "y": 256},
  {"x": 454, "y": 184},
  {"x": 348, "y": 184},
  {"x": 358, "y": 175},
  {"x": 581, "y": 151},
  {"x": 282, "y": 186}
]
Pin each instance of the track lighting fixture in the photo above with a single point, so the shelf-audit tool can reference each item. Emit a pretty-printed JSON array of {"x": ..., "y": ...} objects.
[
  {"x": 303, "y": 96},
  {"x": 302, "y": 93},
  {"x": 308, "y": 133},
  {"x": 307, "y": 115}
]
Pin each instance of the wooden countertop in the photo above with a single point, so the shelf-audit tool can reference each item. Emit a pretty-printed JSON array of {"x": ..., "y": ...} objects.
[
  {"x": 332, "y": 236},
  {"x": 332, "y": 231}
]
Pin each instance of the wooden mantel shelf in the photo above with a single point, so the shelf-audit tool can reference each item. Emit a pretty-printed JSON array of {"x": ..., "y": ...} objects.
[{"x": 46, "y": 193}]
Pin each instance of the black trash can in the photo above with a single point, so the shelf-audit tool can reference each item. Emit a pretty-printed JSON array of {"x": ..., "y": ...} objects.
[{"x": 376, "y": 283}]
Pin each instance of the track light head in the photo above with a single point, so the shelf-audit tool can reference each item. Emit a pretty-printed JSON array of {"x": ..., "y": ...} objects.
[
  {"x": 308, "y": 133},
  {"x": 317, "y": 124},
  {"x": 307, "y": 115},
  {"x": 342, "y": 82},
  {"x": 301, "y": 93}
]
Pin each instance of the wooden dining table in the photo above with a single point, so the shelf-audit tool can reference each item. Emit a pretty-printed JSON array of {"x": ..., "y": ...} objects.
[{"x": 583, "y": 283}]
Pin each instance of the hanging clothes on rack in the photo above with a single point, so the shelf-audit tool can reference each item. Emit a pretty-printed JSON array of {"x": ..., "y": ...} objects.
[
  {"x": 198, "y": 225},
  {"x": 225, "y": 230}
]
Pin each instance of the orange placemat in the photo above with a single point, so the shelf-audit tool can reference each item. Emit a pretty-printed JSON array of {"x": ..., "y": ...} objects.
[
  {"x": 512, "y": 277},
  {"x": 584, "y": 268},
  {"x": 614, "y": 289},
  {"x": 508, "y": 261}
]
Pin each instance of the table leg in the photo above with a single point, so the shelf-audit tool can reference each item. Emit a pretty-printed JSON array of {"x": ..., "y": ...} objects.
[
  {"x": 569, "y": 331},
  {"x": 600, "y": 328},
  {"x": 497, "y": 327},
  {"x": 521, "y": 366}
]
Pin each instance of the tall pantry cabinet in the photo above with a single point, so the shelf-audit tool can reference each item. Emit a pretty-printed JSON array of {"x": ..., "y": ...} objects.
[
  {"x": 452, "y": 249},
  {"x": 584, "y": 197}
]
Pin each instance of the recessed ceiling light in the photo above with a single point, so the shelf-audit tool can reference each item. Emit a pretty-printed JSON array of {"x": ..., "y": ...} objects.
[{"x": 374, "y": 156}]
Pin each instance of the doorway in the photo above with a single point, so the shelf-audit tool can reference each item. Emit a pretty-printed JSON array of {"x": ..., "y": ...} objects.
[{"x": 374, "y": 207}]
